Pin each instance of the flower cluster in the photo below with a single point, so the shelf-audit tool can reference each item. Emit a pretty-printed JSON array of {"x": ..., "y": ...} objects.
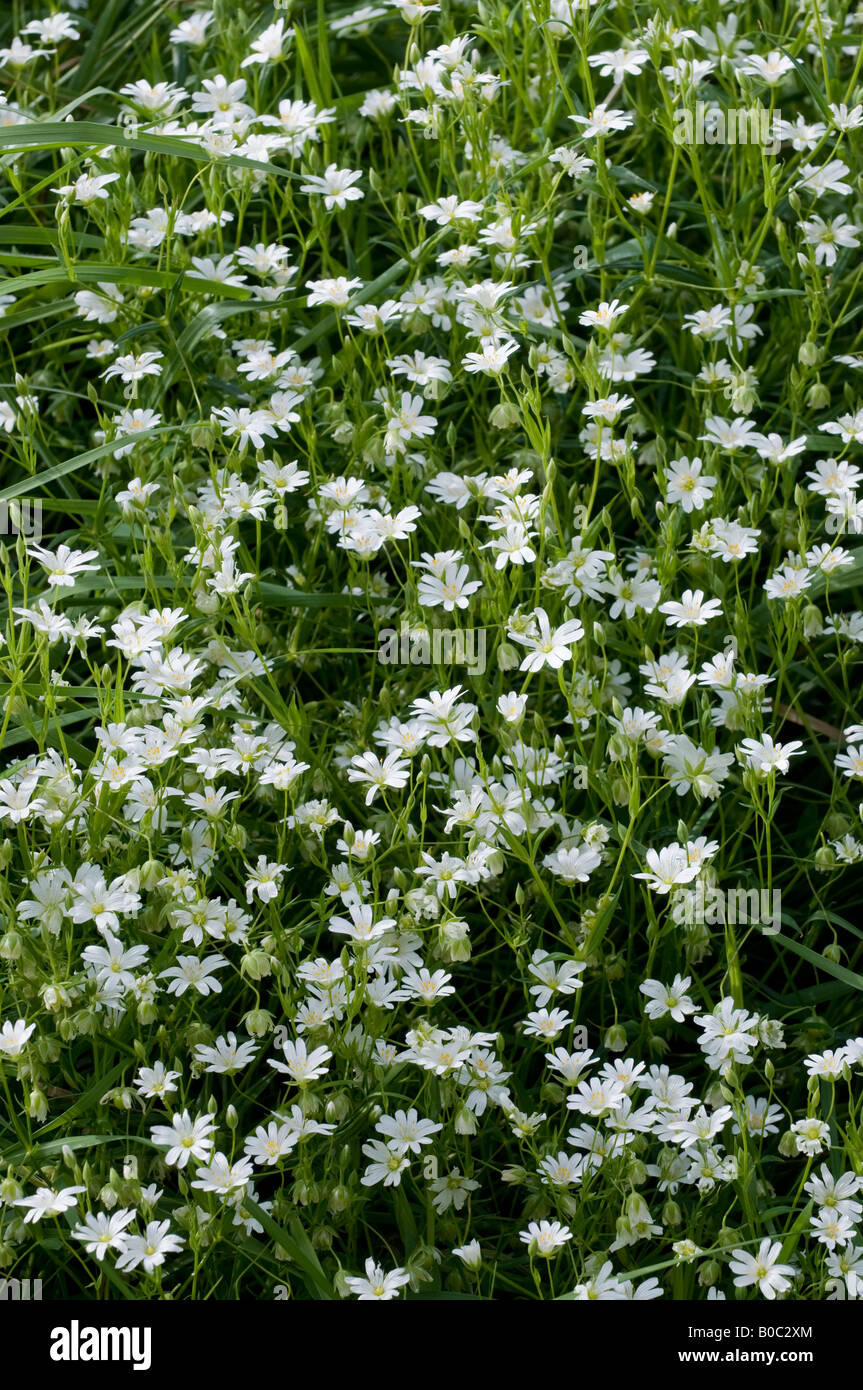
[{"x": 524, "y": 976}]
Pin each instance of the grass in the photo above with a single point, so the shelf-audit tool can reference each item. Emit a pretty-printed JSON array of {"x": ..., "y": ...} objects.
[{"x": 289, "y": 654}]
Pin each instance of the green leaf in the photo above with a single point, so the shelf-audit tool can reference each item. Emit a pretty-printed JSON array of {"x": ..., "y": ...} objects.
[
  {"x": 839, "y": 972},
  {"x": 49, "y": 475},
  {"x": 298, "y": 1246},
  {"x": 89, "y": 1098},
  {"x": 201, "y": 326},
  {"x": 812, "y": 88},
  {"x": 279, "y": 597},
  {"x": 848, "y": 577},
  {"x": 51, "y": 735},
  {"x": 55, "y": 135},
  {"x": 95, "y": 272},
  {"x": 39, "y": 311},
  {"x": 370, "y": 291},
  {"x": 101, "y": 33},
  {"x": 55, "y": 1147},
  {"x": 20, "y": 234}
]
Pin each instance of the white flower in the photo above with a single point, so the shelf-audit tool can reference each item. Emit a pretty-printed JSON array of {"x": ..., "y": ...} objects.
[
  {"x": 407, "y": 421},
  {"x": 810, "y": 1135},
  {"x": 336, "y": 292},
  {"x": 247, "y": 426},
  {"x": 601, "y": 121},
  {"x": 87, "y": 188},
  {"x": 512, "y": 706},
  {"x": 770, "y": 69},
  {"x": 668, "y": 999},
  {"x": 604, "y": 315},
  {"x": 826, "y": 237},
  {"x": 451, "y": 209},
  {"x": 492, "y": 358},
  {"x": 226, "y": 1056},
  {"x": 151, "y": 1248},
  {"x": 548, "y": 647},
  {"x": 470, "y": 1255},
  {"x": 828, "y": 179},
  {"x": 544, "y": 1238},
  {"x": 392, "y": 771},
  {"x": 192, "y": 973},
  {"x": 192, "y": 31},
  {"x": 101, "y": 1231},
  {"x": 268, "y": 47},
  {"x": 13, "y": 1036},
  {"x": 335, "y": 186},
  {"x": 765, "y": 756},
  {"x": 693, "y": 610},
  {"x": 64, "y": 565},
  {"x": 47, "y": 1201},
  {"x": 668, "y": 867},
  {"x": 763, "y": 1269},
  {"x": 263, "y": 880},
  {"x": 300, "y": 1065},
  {"x": 376, "y": 1283}
]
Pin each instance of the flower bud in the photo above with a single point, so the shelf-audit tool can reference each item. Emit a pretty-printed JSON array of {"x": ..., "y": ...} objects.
[
  {"x": 465, "y": 1120},
  {"x": 339, "y": 1199},
  {"x": 236, "y": 837},
  {"x": 454, "y": 940},
  {"x": 620, "y": 791},
  {"x": 54, "y": 997},
  {"x": 10, "y": 1190},
  {"x": 505, "y": 416},
  {"x": 337, "y": 1109},
  {"x": 37, "y": 1105},
  {"x": 258, "y": 1023},
  {"x": 507, "y": 657},
  {"x": 818, "y": 396},
  {"x": 514, "y": 1176},
  {"x": 636, "y": 1172},
  {"x": 813, "y": 623},
  {"x": 206, "y": 601},
  {"x": 809, "y": 354},
  {"x": 151, "y": 874},
  {"x": 11, "y": 945},
  {"x": 255, "y": 965}
]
